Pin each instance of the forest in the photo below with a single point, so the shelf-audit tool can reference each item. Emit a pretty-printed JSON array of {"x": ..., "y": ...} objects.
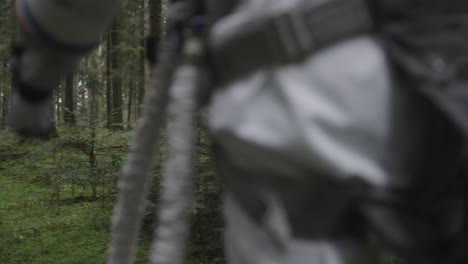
[{"x": 57, "y": 195}]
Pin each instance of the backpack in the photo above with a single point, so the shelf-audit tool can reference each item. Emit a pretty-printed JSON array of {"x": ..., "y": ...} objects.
[{"x": 427, "y": 222}]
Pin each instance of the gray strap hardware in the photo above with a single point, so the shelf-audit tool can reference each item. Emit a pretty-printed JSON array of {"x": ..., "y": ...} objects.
[{"x": 291, "y": 36}]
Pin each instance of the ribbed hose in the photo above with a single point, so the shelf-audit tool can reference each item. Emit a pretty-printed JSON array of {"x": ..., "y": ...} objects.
[
  {"x": 135, "y": 177},
  {"x": 177, "y": 183}
]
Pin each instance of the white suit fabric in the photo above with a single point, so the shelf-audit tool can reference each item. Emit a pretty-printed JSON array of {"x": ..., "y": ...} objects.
[
  {"x": 54, "y": 36},
  {"x": 335, "y": 113}
]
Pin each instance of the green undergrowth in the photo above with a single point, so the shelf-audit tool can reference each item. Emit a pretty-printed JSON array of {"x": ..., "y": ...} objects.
[
  {"x": 57, "y": 196},
  {"x": 55, "y": 205}
]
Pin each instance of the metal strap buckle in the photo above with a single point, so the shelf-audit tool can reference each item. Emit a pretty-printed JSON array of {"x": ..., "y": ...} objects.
[{"x": 288, "y": 37}]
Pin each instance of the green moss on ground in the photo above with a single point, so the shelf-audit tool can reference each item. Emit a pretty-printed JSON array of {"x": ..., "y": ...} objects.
[{"x": 37, "y": 226}]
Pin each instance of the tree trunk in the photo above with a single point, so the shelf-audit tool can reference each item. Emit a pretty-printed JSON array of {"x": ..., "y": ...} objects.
[
  {"x": 57, "y": 105},
  {"x": 153, "y": 31},
  {"x": 3, "y": 84},
  {"x": 69, "y": 111},
  {"x": 6, "y": 94},
  {"x": 7, "y": 36},
  {"x": 6, "y": 82},
  {"x": 93, "y": 83},
  {"x": 131, "y": 92},
  {"x": 109, "y": 80},
  {"x": 155, "y": 16},
  {"x": 54, "y": 132},
  {"x": 142, "y": 81},
  {"x": 117, "y": 111}
]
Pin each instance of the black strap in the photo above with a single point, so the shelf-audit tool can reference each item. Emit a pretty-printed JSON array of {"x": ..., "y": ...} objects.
[
  {"x": 291, "y": 37},
  {"x": 27, "y": 92}
]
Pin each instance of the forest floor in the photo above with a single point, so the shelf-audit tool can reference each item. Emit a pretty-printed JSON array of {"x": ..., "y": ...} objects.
[
  {"x": 46, "y": 222},
  {"x": 57, "y": 196}
]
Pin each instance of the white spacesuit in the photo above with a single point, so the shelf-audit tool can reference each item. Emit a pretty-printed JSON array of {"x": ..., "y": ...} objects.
[{"x": 288, "y": 132}]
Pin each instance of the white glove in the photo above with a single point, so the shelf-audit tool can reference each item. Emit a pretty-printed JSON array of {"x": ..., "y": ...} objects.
[
  {"x": 53, "y": 38},
  {"x": 31, "y": 118}
]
